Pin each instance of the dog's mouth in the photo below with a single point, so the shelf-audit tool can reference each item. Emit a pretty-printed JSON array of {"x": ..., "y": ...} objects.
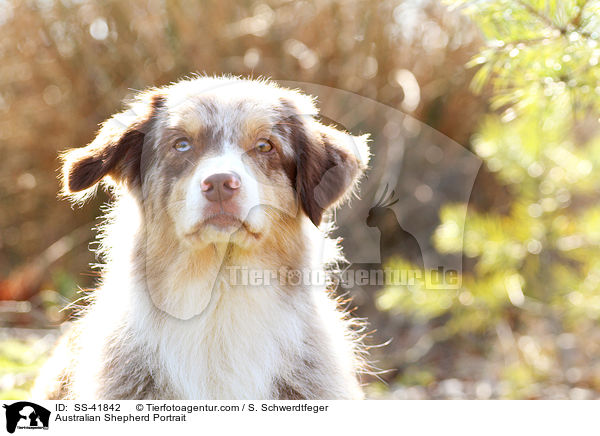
[{"x": 225, "y": 222}]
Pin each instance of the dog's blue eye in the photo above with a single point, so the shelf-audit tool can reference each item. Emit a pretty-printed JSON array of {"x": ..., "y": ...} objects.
[
  {"x": 264, "y": 146},
  {"x": 182, "y": 145}
]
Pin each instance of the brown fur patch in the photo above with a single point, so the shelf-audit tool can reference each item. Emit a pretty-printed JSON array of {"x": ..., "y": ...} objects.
[
  {"x": 116, "y": 151},
  {"x": 323, "y": 171}
]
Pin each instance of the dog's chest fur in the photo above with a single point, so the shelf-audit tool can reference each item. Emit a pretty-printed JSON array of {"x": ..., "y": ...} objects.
[
  {"x": 235, "y": 349},
  {"x": 249, "y": 343}
]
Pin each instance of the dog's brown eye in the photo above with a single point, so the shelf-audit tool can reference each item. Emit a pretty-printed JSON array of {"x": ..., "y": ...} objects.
[
  {"x": 182, "y": 145},
  {"x": 264, "y": 146}
]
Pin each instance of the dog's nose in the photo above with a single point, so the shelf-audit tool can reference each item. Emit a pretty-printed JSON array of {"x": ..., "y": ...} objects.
[{"x": 221, "y": 186}]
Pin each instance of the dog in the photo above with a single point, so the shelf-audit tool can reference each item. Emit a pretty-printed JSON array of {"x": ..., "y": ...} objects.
[{"x": 213, "y": 178}]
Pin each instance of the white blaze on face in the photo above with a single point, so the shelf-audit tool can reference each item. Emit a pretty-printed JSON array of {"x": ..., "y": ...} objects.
[{"x": 245, "y": 201}]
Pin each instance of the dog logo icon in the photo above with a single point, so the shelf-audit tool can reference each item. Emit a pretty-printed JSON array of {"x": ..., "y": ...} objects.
[{"x": 26, "y": 415}]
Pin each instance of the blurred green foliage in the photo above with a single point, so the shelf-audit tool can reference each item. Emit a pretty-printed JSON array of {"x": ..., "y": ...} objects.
[
  {"x": 531, "y": 282},
  {"x": 21, "y": 356}
]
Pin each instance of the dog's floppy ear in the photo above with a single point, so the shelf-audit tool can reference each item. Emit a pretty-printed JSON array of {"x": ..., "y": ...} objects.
[
  {"x": 329, "y": 161},
  {"x": 329, "y": 165},
  {"x": 115, "y": 153}
]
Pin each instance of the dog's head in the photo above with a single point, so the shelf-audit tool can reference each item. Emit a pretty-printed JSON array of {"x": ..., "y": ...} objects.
[{"x": 221, "y": 159}]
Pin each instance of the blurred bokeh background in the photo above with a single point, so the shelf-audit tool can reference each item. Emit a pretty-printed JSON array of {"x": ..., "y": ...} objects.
[{"x": 485, "y": 114}]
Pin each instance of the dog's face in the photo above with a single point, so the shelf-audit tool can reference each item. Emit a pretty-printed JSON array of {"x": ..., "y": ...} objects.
[
  {"x": 222, "y": 163},
  {"x": 220, "y": 160}
]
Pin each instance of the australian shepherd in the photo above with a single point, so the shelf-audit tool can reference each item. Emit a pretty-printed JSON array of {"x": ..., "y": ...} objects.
[{"x": 212, "y": 249}]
